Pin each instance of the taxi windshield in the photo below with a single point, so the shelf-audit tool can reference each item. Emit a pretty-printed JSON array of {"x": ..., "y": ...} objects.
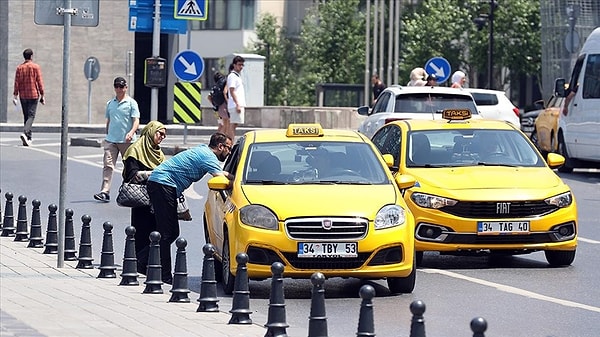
[
  {"x": 309, "y": 162},
  {"x": 486, "y": 147}
]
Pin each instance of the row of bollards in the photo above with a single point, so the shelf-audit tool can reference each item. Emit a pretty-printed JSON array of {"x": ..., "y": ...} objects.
[{"x": 276, "y": 324}]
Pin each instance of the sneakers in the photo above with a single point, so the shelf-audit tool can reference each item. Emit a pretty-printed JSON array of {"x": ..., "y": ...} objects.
[
  {"x": 102, "y": 196},
  {"x": 26, "y": 141}
]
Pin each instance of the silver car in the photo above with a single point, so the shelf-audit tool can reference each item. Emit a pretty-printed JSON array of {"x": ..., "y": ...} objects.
[{"x": 399, "y": 102}]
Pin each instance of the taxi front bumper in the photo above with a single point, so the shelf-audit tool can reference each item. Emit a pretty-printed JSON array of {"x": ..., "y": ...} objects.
[{"x": 382, "y": 253}]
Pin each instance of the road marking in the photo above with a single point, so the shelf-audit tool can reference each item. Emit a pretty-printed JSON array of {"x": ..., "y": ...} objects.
[
  {"x": 513, "y": 290},
  {"x": 579, "y": 238},
  {"x": 89, "y": 156}
]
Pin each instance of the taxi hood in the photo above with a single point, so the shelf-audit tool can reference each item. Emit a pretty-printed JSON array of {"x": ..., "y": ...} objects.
[
  {"x": 486, "y": 177},
  {"x": 322, "y": 200}
]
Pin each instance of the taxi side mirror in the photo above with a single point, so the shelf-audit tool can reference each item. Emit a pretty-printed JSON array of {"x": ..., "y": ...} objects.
[
  {"x": 555, "y": 160},
  {"x": 405, "y": 181},
  {"x": 389, "y": 160},
  {"x": 218, "y": 183},
  {"x": 363, "y": 110},
  {"x": 559, "y": 87}
]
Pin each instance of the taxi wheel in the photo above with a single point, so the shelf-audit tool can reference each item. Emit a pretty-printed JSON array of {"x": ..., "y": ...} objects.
[
  {"x": 560, "y": 258},
  {"x": 227, "y": 278},
  {"x": 403, "y": 285},
  {"x": 562, "y": 150}
]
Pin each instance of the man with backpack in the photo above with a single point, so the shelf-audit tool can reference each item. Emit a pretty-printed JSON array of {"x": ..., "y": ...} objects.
[{"x": 218, "y": 99}]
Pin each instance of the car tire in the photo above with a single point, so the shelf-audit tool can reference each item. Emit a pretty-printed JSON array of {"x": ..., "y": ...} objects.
[
  {"x": 560, "y": 258},
  {"x": 419, "y": 258},
  {"x": 404, "y": 285},
  {"x": 567, "y": 167},
  {"x": 226, "y": 276}
]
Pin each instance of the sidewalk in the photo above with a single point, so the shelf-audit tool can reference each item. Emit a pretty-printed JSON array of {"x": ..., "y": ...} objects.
[{"x": 37, "y": 299}]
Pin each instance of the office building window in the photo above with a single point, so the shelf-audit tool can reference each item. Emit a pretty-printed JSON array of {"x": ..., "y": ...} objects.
[{"x": 228, "y": 15}]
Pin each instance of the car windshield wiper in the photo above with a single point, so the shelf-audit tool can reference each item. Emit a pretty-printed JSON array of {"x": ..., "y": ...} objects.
[
  {"x": 342, "y": 182},
  {"x": 483, "y": 163},
  {"x": 266, "y": 182}
]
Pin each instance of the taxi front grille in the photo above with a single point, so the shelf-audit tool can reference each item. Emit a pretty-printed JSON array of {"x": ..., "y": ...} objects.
[
  {"x": 327, "y": 228},
  {"x": 326, "y": 263},
  {"x": 499, "y": 210}
]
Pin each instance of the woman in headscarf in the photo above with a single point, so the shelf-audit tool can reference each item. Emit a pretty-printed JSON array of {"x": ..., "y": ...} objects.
[
  {"x": 417, "y": 77},
  {"x": 459, "y": 79},
  {"x": 139, "y": 161}
]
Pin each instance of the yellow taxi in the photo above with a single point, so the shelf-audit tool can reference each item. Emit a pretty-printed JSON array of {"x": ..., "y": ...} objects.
[
  {"x": 545, "y": 132},
  {"x": 316, "y": 200},
  {"x": 481, "y": 187}
]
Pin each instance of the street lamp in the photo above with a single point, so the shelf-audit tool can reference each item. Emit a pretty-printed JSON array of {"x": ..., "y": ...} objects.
[{"x": 480, "y": 23}]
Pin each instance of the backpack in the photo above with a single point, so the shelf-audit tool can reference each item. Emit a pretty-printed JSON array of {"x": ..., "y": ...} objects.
[{"x": 216, "y": 92}]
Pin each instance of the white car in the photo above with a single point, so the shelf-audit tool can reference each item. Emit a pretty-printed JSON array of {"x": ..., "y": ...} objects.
[
  {"x": 399, "y": 102},
  {"x": 493, "y": 104}
]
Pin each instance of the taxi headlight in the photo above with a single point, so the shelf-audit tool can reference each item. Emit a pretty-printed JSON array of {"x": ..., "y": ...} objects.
[
  {"x": 431, "y": 201},
  {"x": 561, "y": 200},
  {"x": 390, "y": 216},
  {"x": 258, "y": 216}
]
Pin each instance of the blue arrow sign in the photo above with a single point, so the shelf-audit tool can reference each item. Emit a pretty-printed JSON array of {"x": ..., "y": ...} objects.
[
  {"x": 188, "y": 66},
  {"x": 440, "y": 67}
]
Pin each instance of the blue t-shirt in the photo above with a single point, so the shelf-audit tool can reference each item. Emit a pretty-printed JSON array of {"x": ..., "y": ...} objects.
[
  {"x": 120, "y": 116},
  {"x": 186, "y": 167}
]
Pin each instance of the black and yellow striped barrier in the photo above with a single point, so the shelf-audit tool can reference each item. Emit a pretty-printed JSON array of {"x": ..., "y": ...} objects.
[{"x": 187, "y": 103}]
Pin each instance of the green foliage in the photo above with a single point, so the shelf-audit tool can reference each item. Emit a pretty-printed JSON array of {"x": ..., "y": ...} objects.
[{"x": 331, "y": 45}]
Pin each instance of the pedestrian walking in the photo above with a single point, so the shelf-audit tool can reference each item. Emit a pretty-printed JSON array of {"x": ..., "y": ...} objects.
[
  {"x": 218, "y": 98},
  {"x": 378, "y": 86},
  {"x": 236, "y": 103},
  {"x": 139, "y": 160},
  {"x": 122, "y": 121},
  {"x": 29, "y": 89},
  {"x": 168, "y": 181}
]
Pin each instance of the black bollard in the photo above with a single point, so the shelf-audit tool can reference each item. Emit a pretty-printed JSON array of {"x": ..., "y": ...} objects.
[
  {"x": 179, "y": 290},
  {"x": 107, "y": 257},
  {"x": 240, "y": 307},
  {"x": 129, "y": 274},
  {"x": 317, "y": 321},
  {"x": 417, "y": 324},
  {"x": 366, "y": 322},
  {"x": 208, "y": 288},
  {"x": 36, "y": 239},
  {"x": 70, "y": 251},
  {"x": 478, "y": 326},
  {"x": 22, "y": 233},
  {"x": 276, "y": 323},
  {"x": 51, "y": 231},
  {"x": 154, "y": 269},
  {"x": 8, "y": 222},
  {"x": 85, "y": 244}
]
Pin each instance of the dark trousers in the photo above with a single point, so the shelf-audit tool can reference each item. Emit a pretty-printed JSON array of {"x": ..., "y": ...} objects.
[
  {"x": 145, "y": 223},
  {"x": 164, "y": 202},
  {"x": 29, "y": 107}
]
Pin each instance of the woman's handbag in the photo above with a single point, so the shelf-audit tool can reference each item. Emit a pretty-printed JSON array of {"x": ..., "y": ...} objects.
[{"x": 133, "y": 195}]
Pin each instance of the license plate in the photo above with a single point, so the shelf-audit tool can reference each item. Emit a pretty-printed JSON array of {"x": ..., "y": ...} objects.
[
  {"x": 327, "y": 249},
  {"x": 502, "y": 227}
]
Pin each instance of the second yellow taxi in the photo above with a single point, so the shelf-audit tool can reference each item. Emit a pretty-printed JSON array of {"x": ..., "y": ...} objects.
[
  {"x": 481, "y": 187},
  {"x": 316, "y": 200}
]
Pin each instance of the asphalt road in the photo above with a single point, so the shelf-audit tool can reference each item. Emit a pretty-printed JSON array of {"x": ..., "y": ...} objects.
[{"x": 518, "y": 296}]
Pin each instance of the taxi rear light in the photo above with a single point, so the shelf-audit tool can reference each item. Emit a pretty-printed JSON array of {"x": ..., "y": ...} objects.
[{"x": 516, "y": 111}]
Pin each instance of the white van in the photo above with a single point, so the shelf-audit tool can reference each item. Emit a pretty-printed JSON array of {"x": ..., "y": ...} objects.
[{"x": 579, "y": 123}]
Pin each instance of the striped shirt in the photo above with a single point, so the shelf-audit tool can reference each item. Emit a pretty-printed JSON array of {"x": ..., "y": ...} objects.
[{"x": 28, "y": 81}]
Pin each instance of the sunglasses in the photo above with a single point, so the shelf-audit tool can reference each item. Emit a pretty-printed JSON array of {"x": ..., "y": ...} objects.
[{"x": 162, "y": 133}]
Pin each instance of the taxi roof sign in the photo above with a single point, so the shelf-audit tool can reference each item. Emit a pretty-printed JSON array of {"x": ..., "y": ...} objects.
[
  {"x": 304, "y": 130},
  {"x": 456, "y": 114}
]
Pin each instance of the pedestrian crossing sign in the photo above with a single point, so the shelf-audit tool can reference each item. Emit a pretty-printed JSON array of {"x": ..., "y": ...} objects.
[{"x": 191, "y": 9}]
